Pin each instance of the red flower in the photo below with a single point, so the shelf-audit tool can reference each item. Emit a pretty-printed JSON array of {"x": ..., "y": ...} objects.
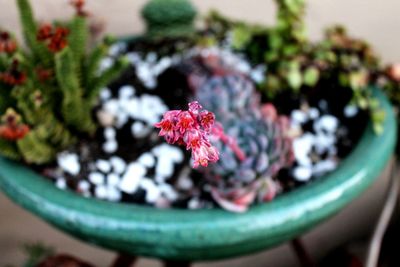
[
  {"x": 207, "y": 119},
  {"x": 7, "y": 44},
  {"x": 12, "y": 129},
  {"x": 58, "y": 41},
  {"x": 43, "y": 74},
  {"x": 78, "y": 5},
  {"x": 45, "y": 32},
  {"x": 13, "y": 76},
  {"x": 185, "y": 122},
  {"x": 190, "y": 128},
  {"x": 203, "y": 154},
  {"x": 55, "y": 38}
]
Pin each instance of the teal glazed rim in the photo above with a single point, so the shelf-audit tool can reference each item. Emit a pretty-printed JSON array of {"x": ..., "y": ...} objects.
[{"x": 203, "y": 234}]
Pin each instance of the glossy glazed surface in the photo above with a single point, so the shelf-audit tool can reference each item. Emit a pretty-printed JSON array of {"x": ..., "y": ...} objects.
[{"x": 204, "y": 234}]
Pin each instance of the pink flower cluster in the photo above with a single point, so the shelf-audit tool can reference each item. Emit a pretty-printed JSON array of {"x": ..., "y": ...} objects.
[{"x": 191, "y": 128}]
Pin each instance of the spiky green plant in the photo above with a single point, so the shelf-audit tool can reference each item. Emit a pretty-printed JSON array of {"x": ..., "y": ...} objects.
[{"x": 53, "y": 85}]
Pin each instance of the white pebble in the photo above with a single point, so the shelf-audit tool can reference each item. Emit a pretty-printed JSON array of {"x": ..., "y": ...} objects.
[
  {"x": 110, "y": 146},
  {"x": 103, "y": 165},
  {"x": 83, "y": 186},
  {"x": 133, "y": 57},
  {"x": 105, "y": 94},
  {"x": 185, "y": 183},
  {"x": 147, "y": 160},
  {"x": 113, "y": 194},
  {"x": 105, "y": 118},
  {"x": 298, "y": 117},
  {"x": 109, "y": 133},
  {"x": 139, "y": 130},
  {"x": 151, "y": 57},
  {"x": 69, "y": 163},
  {"x": 350, "y": 111},
  {"x": 122, "y": 119},
  {"x": 61, "y": 183},
  {"x": 302, "y": 174},
  {"x": 118, "y": 165},
  {"x": 106, "y": 63},
  {"x": 323, "y": 142},
  {"x": 132, "y": 177},
  {"x": 111, "y": 106},
  {"x": 133, "y": 108},
  {"x": 96, "y": 178},
  {"x": 324, "y": 166},
  {"x": 113, "y": 179},
  {"x": 101, "y": 192},
  {"x": 313, "y": 113},
  {"x": 152, "y": 191},
  {"x": 194, "y": 203},
  {"x": 168, "y": 191},
  {"x": 170, "y": 151},
  {"x": 302, "y": 147},
  {"x": 126, "y": 91},
  {"x": 328, "y": 123}
]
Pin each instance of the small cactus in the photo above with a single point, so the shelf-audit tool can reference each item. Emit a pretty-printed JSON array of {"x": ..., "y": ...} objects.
[{"x": 169, "y": 18}]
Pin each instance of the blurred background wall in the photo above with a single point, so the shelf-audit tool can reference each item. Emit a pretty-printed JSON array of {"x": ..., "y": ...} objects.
[{"x": 376, "y": 20}]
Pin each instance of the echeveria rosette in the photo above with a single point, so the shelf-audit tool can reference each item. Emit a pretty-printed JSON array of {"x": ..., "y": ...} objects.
[
  {"x": 228, "y": 96},
  {"x": 259, "y": 133},
  {"x": 239, "y": 182}
]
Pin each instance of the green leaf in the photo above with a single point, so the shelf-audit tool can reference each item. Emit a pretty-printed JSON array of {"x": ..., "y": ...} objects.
[
  {"x": 294, "y": 76},
  {"x": 35, "y": 150},
  {"x": 75, "y": 111},
  {"x": 29, "y": 30},
  {"x": 9, "y": 150},
  {"x": 78, "y": 37},
  {"x": 241, "y": 36},
  {"x": 311, "y": 76}
]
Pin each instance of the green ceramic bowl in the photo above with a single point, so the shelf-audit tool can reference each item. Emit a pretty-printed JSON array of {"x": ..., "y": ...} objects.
[{"x": 203, "y": 234}]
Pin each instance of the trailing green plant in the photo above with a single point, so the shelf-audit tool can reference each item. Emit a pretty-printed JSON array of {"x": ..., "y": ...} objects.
[
  {"x": 53, "y": 86},
  {"x": 169, "y": 18}
]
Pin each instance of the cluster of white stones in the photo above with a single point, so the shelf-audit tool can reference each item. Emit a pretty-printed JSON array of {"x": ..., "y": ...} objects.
[
  {"x": 322, "y": 141},
  {"x": 142, "y": 112},
  {"x": 162, "y": 159},
  {"x": 149, "y": 67},
  {"x": 109, "y": 178}
]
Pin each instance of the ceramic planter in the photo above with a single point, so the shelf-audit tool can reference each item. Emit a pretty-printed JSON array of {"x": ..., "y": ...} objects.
[{"x": 203, "y": 234}]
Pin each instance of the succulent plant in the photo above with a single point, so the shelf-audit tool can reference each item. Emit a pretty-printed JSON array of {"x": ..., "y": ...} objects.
[
  {"x": 259, "y": 134},
  {"x": 169, "y": 18},
  {"x": 53, "y": 86},
  {"x": 296, "y": 66}
]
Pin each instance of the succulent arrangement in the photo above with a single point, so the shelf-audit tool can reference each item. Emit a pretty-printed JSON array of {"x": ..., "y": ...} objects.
[
  {"x": 49, "y": 91},
  {"x": 269, "y": 110}
]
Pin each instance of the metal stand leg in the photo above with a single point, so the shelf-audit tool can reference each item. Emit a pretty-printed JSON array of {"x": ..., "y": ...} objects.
[
  {"x": 124, "y": 261},
  {"x": 302, "y": 254}
]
